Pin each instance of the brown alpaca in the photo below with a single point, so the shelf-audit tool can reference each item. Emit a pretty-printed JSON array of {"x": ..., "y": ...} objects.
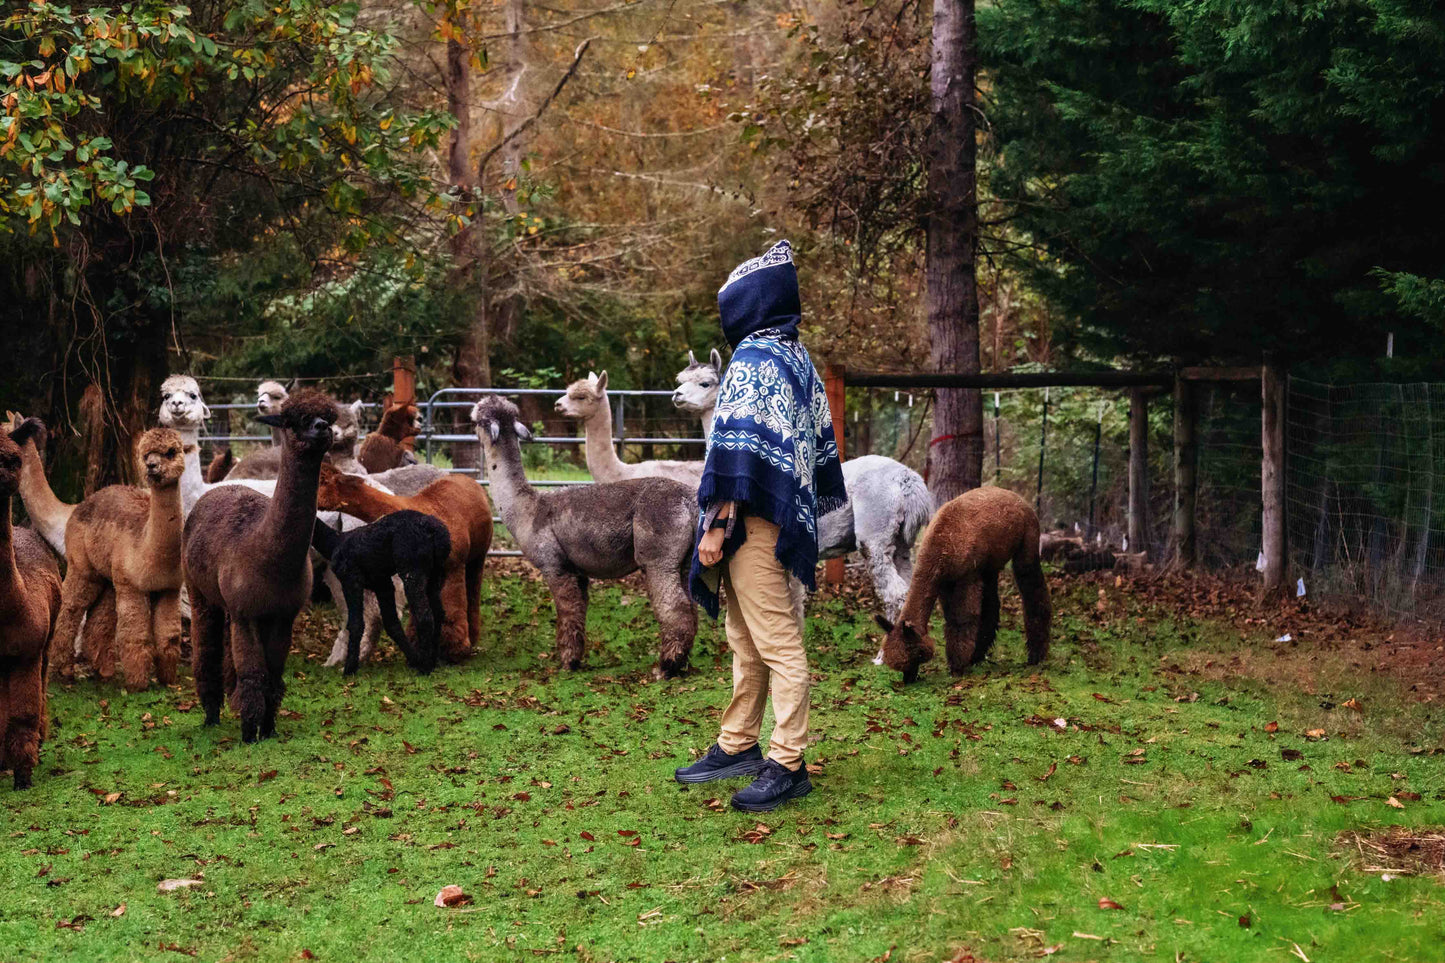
[
  {"x": 221, "y": 464},
  {"x": 965, "y": 548},
  {"x": 247, "y": 568},
  {"x": 461, "y": 505},
  {"x": 388, "y": 446},
  {"x": 29, "y": 601},
  {"x": 129, "y": 539}
]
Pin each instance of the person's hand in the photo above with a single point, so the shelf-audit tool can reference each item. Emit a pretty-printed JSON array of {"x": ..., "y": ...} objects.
[{"x": 709, "y": 548}]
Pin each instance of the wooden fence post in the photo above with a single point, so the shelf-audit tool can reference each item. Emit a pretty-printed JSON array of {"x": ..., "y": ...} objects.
[
  {"x": 834, "y": 381},
  {"x": 1185, "y": 474},
  {"x": 1272, "y": 397},
  {"x": 1138, "y": 468}
]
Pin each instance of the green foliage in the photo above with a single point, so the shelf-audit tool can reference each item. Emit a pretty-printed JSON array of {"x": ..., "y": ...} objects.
[
  {"x": 1220, "y": 177},
  {"x": 1422, "y": 298},
  {"x": 947, "y": 814}
]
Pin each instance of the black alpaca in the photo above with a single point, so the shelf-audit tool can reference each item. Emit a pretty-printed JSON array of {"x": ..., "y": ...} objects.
[{"x": 409, "y": 544}]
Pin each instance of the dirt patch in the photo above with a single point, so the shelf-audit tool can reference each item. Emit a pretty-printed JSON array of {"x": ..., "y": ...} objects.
[{"x": 1397, "y": 851}]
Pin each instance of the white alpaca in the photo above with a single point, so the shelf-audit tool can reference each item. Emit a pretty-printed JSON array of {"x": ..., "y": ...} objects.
[
  {"x": 586, "y": 400},
  {"x": 269, "y": 397},
  {"x": 888, "y": 503},
  {"x": 697, "y": 387}
]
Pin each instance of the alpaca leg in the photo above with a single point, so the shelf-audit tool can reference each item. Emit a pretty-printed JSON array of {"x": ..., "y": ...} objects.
[
  {"x": 275, "y": 635},
  {"x": 77, "y": 595},
  {"x": 454, "y": 647},
  {"x": 421, "y": 654},
  {"x": 434, "y": 582},
  {"x": 961, "y": 603},
  {"x": 355, "y": 620},
  {"x": 338, "y": 597},
  {"x": 1038, "y": 613},
  {"x": 24, "y": 711},
  {"x": 4, "y": 715},
  {"x": 250, "y": 662},
  {"x": 676, "y": 616},
  {"x": 890, "y": 586},
  {"x": 133, "y": 637},
  {"x": 474, "y": 601},
  {"x": 569, "y": 594},
  {"x": 370, "y": 623},
  {"x": 97, "y": 634},
  {"x": 988, "y": 618},
  {"x": 166, "y": 634},
  {"x": 208, "y": 651}
]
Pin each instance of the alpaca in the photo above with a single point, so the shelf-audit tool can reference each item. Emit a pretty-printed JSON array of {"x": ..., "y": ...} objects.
[
  {"x": 968, "y": 543},
  {"x": 586, "y": 401},
  {"x": 461, "y": 504},
  {"x": 131, "y": 540},
  {"x": 265, "y": 464},
  {"x": 48, "y": 514},
  {"x": 697, "y": 387},
  {"x": 270, "y": 396},
  {"x": 221, "y": 464},
  {"x": 408, "y": 479},
  {"x": 385, "y": 448},
  {"x": 408, "y": 544},
  {"x": 29, "y": 601},
  {"x": 246, "y": 560},
  {"x": 602, "y": 531}
]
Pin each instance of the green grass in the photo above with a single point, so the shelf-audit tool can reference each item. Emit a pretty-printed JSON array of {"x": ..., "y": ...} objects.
[{"x": 951, "y": 814}]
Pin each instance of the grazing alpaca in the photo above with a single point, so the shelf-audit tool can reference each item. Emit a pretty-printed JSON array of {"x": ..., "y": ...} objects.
[
  {"x": 29, "y": 601},
  {"x": 265, "y": 464},
  {"x": 586, "y": 400},
  {"x": 221, "y": 464},
  {"x": 697, "y": 386},
  {"x": 603, "y": 531},
  {"x": 130, "y": 540},
  {"x": 248, "y": 570},
  {"x": 969, "y": 542},
  {"x": 385, "y": 448},
  {"x": 270, "y": 396},
  {"x": 461, "y": 504},
  {"x": 408, "y": 544}
]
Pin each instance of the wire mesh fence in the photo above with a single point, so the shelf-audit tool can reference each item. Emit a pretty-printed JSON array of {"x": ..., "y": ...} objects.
[
  {"x": 1366, "y": 494},
  {"x": 1227, "y": 515}
]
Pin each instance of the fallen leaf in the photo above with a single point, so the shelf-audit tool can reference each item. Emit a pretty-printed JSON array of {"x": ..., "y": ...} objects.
[
  {"x": 587, "y": 836},
  {"x": 1106, "y": 903},
  {"x": 1245, "y": 921},
  {"x": 171, "y": 885},
  {"x": 111, "y": 797},
  {"x": 451, "y": 895},
  {"x": 1394, "y": 803},
  {"x": 1271, "y": 727},
  {"x": 267, "y": 775},
  {"x": 1353, "y": 703},
  {"x": 1053, "y": 767},
  {"x": 118, "y": 911}
]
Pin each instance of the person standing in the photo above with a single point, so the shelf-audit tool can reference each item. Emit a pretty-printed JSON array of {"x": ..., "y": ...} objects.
[{"x": 772, "y": 470}]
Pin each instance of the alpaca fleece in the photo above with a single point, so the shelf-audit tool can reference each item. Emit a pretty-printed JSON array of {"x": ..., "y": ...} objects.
[
  {"x": 461, "y": 505},
  {"x": 408, "y": 544},
  {"x": 965, "y": 548},
  {"x": 603, "y": 531},
  {"x": 386, "y": 447},
  {"x": 130, "y": 540},
  {"x": 248, "y": 571},
  {"x": 29, "y": 602}
]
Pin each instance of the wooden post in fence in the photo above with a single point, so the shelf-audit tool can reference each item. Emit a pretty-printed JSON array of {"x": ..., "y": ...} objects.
[
  {"x": 1272, "y": 396},
  {"x": 1185, "y": 475},
  {"x": 834, "y": 381},
  {"x": 403, "y": 389},
  {"x": 1138, "y": 468}
]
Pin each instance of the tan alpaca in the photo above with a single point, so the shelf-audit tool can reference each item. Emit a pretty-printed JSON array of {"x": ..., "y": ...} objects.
[{"x": 129, "y": 539}]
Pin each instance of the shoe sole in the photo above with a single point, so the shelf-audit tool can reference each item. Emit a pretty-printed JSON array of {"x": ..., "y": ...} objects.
[
  {"x": 731, "y": 772},
  {"x": 796, "y": 793}
]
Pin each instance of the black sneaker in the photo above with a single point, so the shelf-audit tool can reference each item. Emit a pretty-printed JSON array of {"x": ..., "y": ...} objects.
[
  {"x": 721, "y": 765},
  {"x": 773, "y": 787}
]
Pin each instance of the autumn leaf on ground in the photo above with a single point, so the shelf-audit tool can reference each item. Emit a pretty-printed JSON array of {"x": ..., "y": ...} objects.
[
  {"x": 171, "y": 885},
  {"x": 1353, "y": 703},
  {"x": 451, "y": 895},
  {"x": 1107, "y": 904}
]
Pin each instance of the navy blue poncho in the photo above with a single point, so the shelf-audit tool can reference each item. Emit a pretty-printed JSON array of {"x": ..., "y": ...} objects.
[{"x": 772, "y": 449}]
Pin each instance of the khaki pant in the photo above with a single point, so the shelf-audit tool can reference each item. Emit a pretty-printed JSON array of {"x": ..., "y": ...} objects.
[{"x": 765, "y": 633}]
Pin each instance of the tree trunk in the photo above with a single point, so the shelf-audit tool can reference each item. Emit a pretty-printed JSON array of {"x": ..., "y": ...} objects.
[{"x": 956, "y": 451}]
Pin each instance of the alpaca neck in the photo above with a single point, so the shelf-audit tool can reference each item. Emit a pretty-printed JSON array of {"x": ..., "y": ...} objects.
[
  {"x": 707, "y": 422},
  {"x": 277, "y": 437},
  {"x": 511, "y": 492},
  {"x": 291, "y": 512},
  {"x": 193, "y": 479},
  {"x": 917, "y": 608},
  {"x": 345, "y": 461},
  {"x": 9, "y": 573},
  {"x": 369, "y": 504},
  {"x": 161, "y": 539},
  {"x": 602, "y": 458},
  {"x": 47, "y": 513}
]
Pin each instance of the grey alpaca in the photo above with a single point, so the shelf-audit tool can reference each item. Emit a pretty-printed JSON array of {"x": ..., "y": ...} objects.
[
  {"x": 246, "y": 560},
  {"x": 602, "y": 531},
  {"x": 407, "y": 544}
]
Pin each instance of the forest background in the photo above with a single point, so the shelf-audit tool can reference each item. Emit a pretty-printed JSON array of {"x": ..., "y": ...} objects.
[{"x": 515, "y": 192}]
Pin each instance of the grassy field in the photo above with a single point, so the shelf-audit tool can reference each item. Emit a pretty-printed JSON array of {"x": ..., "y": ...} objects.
[{"x": 1163, "y": 789}]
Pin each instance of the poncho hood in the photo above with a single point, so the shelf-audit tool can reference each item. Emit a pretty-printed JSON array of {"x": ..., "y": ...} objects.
[{"x": 761, "y": 293}]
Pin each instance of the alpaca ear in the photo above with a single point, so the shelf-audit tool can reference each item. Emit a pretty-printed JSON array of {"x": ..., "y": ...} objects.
[
  {"x": 716, "y": 359},
  {"x": 494, "y": 429},
  {"x": 691, "y": 358},
  {"x": 357, "y": 407},
  {"x": 883, "y": 623},
  {"x": 523, "y": 432},
  {"x": 205, "y": 411},
  {"x": 602, "y": 381}
]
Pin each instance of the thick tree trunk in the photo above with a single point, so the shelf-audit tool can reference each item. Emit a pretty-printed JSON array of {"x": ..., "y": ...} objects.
[{"x": 956, "y": 450}]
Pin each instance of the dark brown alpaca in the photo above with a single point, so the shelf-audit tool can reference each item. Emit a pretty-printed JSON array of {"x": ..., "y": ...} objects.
[
  {"x": 247, "y": 568},
  {"x": 461, "y": 504},
  {"x": 386, "y": 447},
  {"x": 966, "y": 546},
  {"x": 29, "y": 601}
]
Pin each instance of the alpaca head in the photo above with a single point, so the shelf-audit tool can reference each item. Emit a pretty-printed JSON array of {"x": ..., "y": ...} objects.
[
  {"x": 306, "y": 417},
  {"x": 160, "y": 456},
  {"x": 905, "y": 648},
  {"x": 24, "y": 429},
  {"x": 9, "y": 466},
  {"x": 182, "y": 407},
  {"x": 338, "y": 491},
  {"x": 401, "y": 421},
  {"x": 497, "y": 419},
  {"x": 697, "y": 384},
  {"x": 270, "y": 395},
  {"x": 346, "y": 431},
  {"x": 584, "y": 397}
]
